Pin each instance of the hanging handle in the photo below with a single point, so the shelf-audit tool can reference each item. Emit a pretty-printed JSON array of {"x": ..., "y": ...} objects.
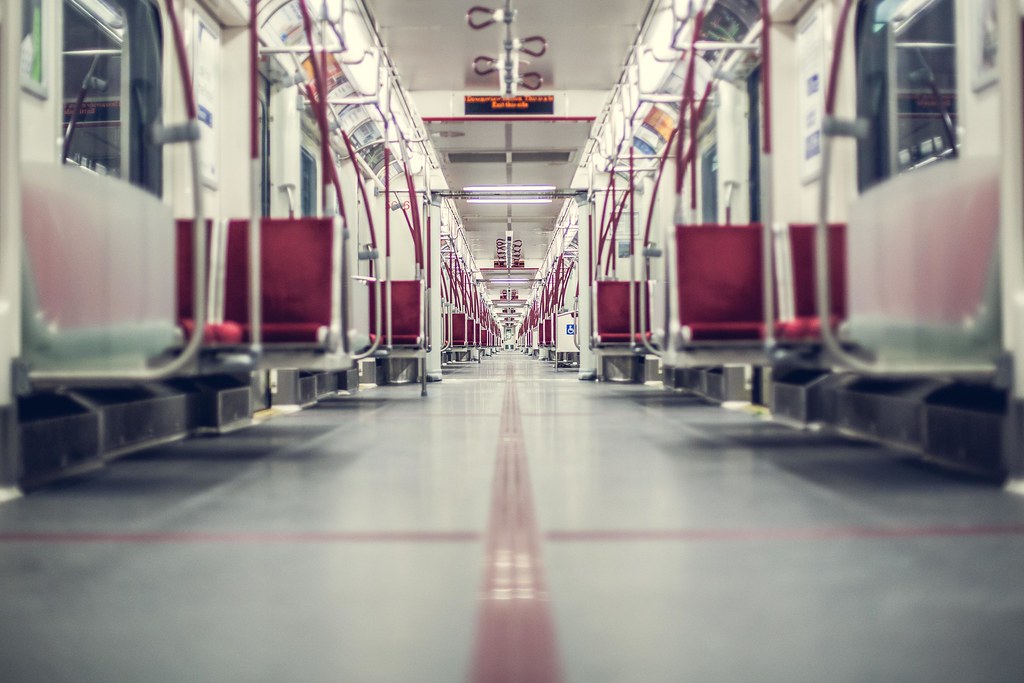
[
  {"x": 483, "y": 66},
  {"x": 531, "y": 80},
  {"x": 475, "y": 24},
  {"x": 537, "y": 51}
]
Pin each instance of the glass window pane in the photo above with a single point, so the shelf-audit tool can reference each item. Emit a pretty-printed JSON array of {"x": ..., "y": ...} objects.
[{"x": 907, "y": 89}]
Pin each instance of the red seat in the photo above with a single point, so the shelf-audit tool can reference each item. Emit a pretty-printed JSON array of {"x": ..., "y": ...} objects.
[
  {"x": 613, "y": 312},
  {"x": 806, "y": 325},
  {"x": 296, "y": 272},
  {"x": 719, "y": 282},
  {"x": 406, "y": 313},
  {"x": 459, "y": 330},
  {"x": 227, "y": 332}
]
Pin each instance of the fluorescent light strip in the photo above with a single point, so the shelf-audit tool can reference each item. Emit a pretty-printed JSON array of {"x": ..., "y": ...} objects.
[
  {"x": 509, "y": 188},
  {"x": 511, "y": 280},
  {"x": 509, "y": 200}
]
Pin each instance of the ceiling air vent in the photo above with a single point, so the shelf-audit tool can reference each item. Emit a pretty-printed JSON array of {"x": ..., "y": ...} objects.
[
  {"x": 476, "y": 157},
  {"x": 545, "y": 157},
  {"x": 556, "y": 157}
]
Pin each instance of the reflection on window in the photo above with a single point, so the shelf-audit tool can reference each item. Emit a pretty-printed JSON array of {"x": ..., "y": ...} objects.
[
  {"x": 111, "y": 89},
  {"x": 907, "y": 89},
  {"x": 754, "y": 140},
  {"x": 264, "y": 128},
  {"x": 308, "y": 191},
  {"x": 709, "y": 185},
  {"x": 730, "y": 20}
]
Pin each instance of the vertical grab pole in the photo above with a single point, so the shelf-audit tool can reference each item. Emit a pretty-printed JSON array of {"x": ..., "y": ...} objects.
[
  {"x": 10, "y": 239},
  {"x": 767, "y": 177},
  {"x": 632, "y": 258},
  {"x": 255, "y": 250},
  {"x": 388, "y": 321}
]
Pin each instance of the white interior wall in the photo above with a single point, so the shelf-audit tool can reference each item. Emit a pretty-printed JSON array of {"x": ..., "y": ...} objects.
[
  {"x": 733, "y": 151},
  {"x": 403, "y": 253},
  {"x": 177, "y": 164},
  {"x": 795, "y": 199},
  {"x": 663, "y": 232},
  {"x": 285, "y": 142},
  {"x": 434, "y": 303},
  {"x": 235, "y": 186},
  {"x": 978, "y": 109}
]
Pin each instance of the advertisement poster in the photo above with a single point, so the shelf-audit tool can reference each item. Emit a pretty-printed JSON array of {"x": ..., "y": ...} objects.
[
  {"x": 206, "y": 72},
  {"x": 32, "y": 47},
  {"x": 810, "y": 50},
  {"x": 333, "y": 76}
]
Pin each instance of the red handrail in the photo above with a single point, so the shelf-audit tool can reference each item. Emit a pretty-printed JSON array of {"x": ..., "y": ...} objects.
[
  {"x": 687, "y": 95},
  {"x": 766, "y": 72},
  {"x": 319, "y": 104}
]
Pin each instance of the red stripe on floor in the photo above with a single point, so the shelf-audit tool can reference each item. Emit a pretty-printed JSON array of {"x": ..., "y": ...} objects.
[
  {"x": 825, "y": 534},
  {"x": 558, "y": 415},
  {"x": 515, "y": 634},
  {"x": 241, "y": 537}
]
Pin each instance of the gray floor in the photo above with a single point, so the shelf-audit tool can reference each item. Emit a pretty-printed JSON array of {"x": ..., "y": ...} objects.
[{"x": 679, "y": 542}]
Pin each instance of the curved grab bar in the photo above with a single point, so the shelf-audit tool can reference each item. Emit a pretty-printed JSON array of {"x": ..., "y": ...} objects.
[
  {"x": 375, "y": 344},
  {"x": 319, "y": 103},
  {"x": 362, "y": 189},
  {"x": 367, "y": 52},
  {"x": 448, "y": 327},
  {"x": 415, "y": 226}
]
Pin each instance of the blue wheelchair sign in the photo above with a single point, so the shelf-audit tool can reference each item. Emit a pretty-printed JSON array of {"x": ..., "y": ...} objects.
[{"x": 570, "y": 328}]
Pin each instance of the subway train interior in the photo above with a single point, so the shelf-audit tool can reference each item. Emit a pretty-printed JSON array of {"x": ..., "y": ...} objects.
[{"x": 532, "y": 341}]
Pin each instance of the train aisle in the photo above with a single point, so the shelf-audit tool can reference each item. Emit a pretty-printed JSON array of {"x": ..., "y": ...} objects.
[{"x": 516, "y": 525}]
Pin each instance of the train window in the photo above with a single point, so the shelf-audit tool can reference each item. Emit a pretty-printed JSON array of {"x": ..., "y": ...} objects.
[
  {"x": 369, "y": 142},
  {"x": 111, "y": 89},
  {"x": 264, "y": 126},
  {"x": 754, "y": 140},
  {"x": 907, "y": 87},
  {"x": 308, "y": 171},
  {"x": 709, "y": 185}
]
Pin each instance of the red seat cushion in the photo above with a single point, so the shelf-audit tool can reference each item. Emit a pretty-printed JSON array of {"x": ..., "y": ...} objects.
[
  {"x": 806, "y": 325},
  {"x": 719, "y": 281},
  {"x": 459, "y": 337},
  {"x": 291, "y": 333},
  {"x": 296, "y": 273},
  {"x": 803, "y": 329},
  {"x": 613, "y": 311},
  {"x": 724, "y": 331},
  {"x": 622, "y": 338},
  {"x": 405, "y": 313},
  {"x": 400, "y": 339},
  {"x": 216, "y": 333}
]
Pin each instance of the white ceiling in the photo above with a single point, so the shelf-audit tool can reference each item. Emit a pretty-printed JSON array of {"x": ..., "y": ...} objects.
[
  {"x": 433, "y": 48},
  {"x": 532, "y": 223}
]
